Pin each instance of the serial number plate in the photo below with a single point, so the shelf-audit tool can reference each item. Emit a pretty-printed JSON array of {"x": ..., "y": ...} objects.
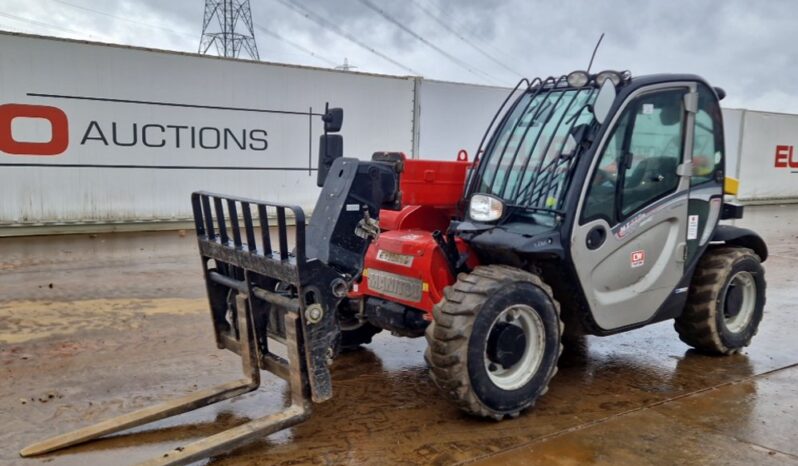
[
  {"x": 396, "y": 286},
  {"x": 394, "y": 258}
]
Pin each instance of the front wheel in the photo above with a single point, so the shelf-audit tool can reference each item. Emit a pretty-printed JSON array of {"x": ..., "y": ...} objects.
[
  {"x": 726, "y": 301},
  {"x": 494, "y": 341}
]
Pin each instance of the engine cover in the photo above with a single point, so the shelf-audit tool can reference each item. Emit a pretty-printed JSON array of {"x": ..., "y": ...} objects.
[{"x": 407, "y": 267}]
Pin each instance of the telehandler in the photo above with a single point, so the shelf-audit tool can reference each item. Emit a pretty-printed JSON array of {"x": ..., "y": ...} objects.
[{"x": 592, "y": 207}]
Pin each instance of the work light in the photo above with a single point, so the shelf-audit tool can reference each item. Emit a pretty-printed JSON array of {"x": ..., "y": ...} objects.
[
  {"x": 578, "y": 78},
  {"x": 613, "y": 76}
]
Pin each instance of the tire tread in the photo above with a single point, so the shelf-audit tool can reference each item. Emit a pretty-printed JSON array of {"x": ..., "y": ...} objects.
[
  {"x": 697, "y": 326},
  {"x": 447, "y": 335}
]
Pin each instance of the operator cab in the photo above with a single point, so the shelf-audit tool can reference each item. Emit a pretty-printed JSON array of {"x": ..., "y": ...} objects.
[{"x": 603, "y": 173}]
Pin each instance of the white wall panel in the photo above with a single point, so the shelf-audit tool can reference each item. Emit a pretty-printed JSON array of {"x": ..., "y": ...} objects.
[
  {"x": 454, "y": 116},
  {"x": 168, "y": 96},
  {"x": 732, "y": 132},
  {"x": 769, "y": 157},
  {"x": 96, "y": 179}
]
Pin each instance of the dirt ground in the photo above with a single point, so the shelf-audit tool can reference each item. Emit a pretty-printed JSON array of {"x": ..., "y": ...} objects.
[{"x": 91, "y": 327}]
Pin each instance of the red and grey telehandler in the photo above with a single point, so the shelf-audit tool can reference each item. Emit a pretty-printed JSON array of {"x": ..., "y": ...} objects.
[{"x": 593, "y": 206}]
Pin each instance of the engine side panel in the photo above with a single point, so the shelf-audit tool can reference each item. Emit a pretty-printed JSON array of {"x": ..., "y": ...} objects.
[{"x": 408, "y": 267}]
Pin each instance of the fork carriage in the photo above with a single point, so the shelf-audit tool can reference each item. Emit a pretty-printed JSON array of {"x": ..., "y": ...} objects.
[
  {"x": 247, "y": 312},
  {"x": 264, "y": 290},
  {"x": 239, "y": 265}
]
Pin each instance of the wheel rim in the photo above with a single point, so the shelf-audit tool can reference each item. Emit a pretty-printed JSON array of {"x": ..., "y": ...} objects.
[
  {"x": 527, "y": 362},
  {"x": 739, "y": 301},
  {"x": 349, "y": 324}
]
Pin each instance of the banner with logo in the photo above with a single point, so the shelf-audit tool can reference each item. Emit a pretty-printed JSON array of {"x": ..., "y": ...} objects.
[
  {"x": 768, "y": 165},
  {"x": 99, "y": 133}
]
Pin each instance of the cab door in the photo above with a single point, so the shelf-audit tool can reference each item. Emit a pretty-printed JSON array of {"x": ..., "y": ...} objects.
[
  {"x": 628, "y": 243},
  {"x": 706, "y": 182}
]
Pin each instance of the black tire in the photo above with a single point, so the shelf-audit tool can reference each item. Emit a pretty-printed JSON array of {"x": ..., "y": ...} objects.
[
  {"x": 354, "y": 338},
  {"x": 458, "y": 335},
  {"x": 354, "y": 331},
  {"x": 704, "y": 323}
]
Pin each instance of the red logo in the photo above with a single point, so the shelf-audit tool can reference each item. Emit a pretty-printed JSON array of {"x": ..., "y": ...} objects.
[
  {"x": 59, "y": 139},
  {"x": 638, "y": 258},
  {"x": 785, "y": 157}
]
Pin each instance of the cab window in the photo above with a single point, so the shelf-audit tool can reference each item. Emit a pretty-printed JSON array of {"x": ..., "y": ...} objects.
[
  {"x": 600, "y": 201},
  {"x": 708, "y": 141},
  {"x": 638, "y": 164}
]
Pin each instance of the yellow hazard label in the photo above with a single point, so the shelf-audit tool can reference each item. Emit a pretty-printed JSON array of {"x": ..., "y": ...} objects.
[{"x": 731, "y": 186}]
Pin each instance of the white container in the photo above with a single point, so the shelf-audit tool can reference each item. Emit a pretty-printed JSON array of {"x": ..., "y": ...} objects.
[
  {"x": 768, "y": 166},
  {"x": 454, "y": 116},
  {"x": 200, "y": 123}
]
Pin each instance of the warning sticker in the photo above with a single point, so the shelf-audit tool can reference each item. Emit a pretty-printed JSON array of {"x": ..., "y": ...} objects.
[
  {"x": 692, "y": 227},
  {"x": 648, "y": 109},
  {"x": 638, "y": 258}
]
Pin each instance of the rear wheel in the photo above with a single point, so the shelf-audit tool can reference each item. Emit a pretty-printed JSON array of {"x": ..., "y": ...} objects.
[
  {"x": 726, "y": 301},
  {"x": 355, "y": 336},
  {"x": 494, "y": 341},
  {"x": 354, "y": 330}
]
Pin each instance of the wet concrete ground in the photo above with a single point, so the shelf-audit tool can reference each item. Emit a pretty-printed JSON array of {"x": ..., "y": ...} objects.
[{"x": 94, "y": 327}]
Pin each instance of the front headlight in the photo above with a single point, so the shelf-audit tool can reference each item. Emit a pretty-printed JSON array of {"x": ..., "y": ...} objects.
[{"x": 485, "y": 208}]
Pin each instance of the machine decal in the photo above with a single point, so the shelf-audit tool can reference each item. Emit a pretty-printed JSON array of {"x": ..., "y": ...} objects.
[
  {"x": 638, "y": 258},
  {"x": 542, "y": 243},
  {"x": 692, "y": 227},
  {"x": 394, "y": 258},
  {"x": 643, "y": 217},
  {"x": 634, "y": 223},
  {"x": 396, "y": 286}
]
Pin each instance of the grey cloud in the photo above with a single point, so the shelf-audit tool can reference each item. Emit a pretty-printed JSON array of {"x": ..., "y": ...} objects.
[{"x": 744, "y": 46}]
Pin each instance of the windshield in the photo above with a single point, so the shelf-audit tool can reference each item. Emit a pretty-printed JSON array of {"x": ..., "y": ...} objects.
[{"x": 522, "y": 162}]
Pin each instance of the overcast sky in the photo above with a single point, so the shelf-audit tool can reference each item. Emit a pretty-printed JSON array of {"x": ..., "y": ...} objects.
[{"x": 747, "y": 47}]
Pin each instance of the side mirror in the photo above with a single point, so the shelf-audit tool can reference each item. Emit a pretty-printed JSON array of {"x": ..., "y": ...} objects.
[
  {"x": 333, "y": 120},
  {"x": 331, "y": 146},
  {"x": 604, "y": 100}
]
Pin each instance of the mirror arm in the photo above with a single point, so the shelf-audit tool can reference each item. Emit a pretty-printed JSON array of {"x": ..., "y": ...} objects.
[{"x": 325, "y": 118}]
